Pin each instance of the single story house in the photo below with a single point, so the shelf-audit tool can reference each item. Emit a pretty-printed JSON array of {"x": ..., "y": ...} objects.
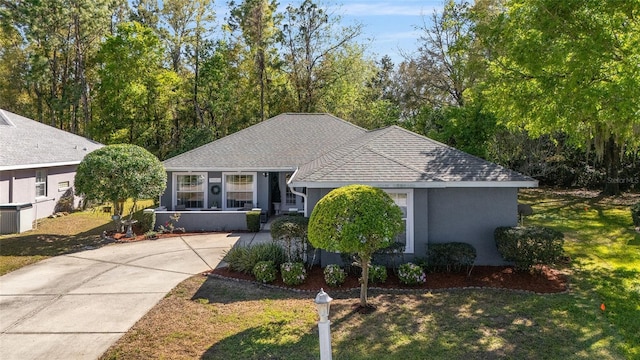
[
  {"x": 37, "y": 167},
  {"x": 289, "y": 162}
]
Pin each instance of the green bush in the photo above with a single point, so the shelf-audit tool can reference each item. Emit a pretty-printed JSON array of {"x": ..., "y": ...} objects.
[
  {"x": 265, "y": 271},
  {"x": 334, "y": 275},
  {"x": 146, "y": 221},
  {"x": 292, "y": 232},
  {"x": 293, "y": 273},
  {"x": 635, "y": 214},
  {"x": 411, "y": 274},
  {"x": 453, "y": 256},
  {"x": 253, "y": 221},
  {"x": 529, "y": 246},
  {"x": 377, "y": 274},
  {"x": 245, "y": 258}
]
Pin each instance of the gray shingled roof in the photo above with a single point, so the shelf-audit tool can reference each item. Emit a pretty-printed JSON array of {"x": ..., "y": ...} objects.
[
  {"x": 282, "y": 142},
  {"x": 26, "y": 143},
  {"x": 395, "y": 156}
]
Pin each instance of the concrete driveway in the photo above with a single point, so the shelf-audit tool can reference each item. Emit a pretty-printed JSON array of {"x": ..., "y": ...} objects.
[{"x": 75, "y": 306}]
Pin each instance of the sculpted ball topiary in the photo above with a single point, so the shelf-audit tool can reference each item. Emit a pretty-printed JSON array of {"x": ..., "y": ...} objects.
[
  {"x": 356, "y": 219},
  {"x": 116, "y": 173}
]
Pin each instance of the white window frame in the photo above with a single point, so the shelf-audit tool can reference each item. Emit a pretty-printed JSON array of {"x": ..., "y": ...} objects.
[
  {"x": 64, "y": 185},
  {"x": 37, "y": 183},
  {"x": 175, "y": 188},
  {"x": 409, "y": 246},
  {"x": 288, "y": 194},
  {"x": 254, "y": 188}
]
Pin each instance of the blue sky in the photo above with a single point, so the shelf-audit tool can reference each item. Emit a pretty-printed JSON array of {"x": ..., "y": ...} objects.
[{"x": 388, "y": 26}]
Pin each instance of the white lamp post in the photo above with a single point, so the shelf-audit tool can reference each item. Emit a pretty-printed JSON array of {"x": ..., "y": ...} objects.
[{"x": 323, "y": 302}]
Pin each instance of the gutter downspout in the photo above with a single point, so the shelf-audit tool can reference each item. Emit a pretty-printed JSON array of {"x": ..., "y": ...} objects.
[{"x": 303, "y": 195}]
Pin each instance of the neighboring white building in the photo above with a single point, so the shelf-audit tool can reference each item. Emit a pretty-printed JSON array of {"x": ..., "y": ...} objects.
[{"x": 37, "y": 167}]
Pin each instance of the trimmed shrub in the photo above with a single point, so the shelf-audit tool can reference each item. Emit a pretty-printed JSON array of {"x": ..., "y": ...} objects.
[
  {"x": 293, "y": 273},
  {"x": 146, "y": 221},
  {"x": 453, "y": 256},
  {"x": 334, "y": 275},
  {"x": 635, "y": 214},
  {"x": 265, "y": 271},
  {"x": 245, "y": 258},
  {"x": 253, "y": 221},
  {"x": 377, "y": 274},
  {"x": 292, "y": 232},
  {"x": 529, "y": 246},
  {"x": 411, "y": 274}
]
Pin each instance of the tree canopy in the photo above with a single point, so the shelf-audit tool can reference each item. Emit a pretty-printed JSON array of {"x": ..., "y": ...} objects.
[
  {"x": 356, "y": 219},
  {"x": 567, "y": 66},
  {"x": 119, "y": 172}
]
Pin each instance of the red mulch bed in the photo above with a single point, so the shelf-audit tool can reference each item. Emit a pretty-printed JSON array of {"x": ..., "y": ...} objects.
[{"x": 545, "y": 280}]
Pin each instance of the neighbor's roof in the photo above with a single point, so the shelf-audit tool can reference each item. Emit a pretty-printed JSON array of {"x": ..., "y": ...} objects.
[
  {"x": 26, "y": 143},
  {"x": 397, "y": 157},
  {"x": 283, "y": 142}
]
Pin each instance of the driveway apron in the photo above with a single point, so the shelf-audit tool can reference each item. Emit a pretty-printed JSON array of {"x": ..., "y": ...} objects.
[{"x": 76, "y": 306}]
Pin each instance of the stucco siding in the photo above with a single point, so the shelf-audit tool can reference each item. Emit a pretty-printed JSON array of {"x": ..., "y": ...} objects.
[
  {"x": 5, "y": 186},
  {"x": 18, "y": 186},
  {"x": 471, "y": 215},
  {"x": 420, "y": 223}
]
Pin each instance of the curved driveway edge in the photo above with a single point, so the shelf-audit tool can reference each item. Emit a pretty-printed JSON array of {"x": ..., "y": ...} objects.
[{"x": 76, "y": 306}]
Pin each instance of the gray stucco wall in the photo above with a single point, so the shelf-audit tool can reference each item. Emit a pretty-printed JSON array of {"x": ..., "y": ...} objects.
[
  {"x": 453, "y": 215},
  {"x": 420, "y": 222},
  {"x": 471, "y": 215},
  {"x": 206, "y": 220}
]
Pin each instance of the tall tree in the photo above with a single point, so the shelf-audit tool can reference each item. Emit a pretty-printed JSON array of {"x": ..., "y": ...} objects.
[
  {"x": 310, "y": 36},
  {"x": 445, "y": 56},
  {"x": 59, "y": 36},
  {"x": 258, "y": 22},
  {"x": 357, "y": 92},
  {"x": 569, "y": 66},
  {"x": 136, "y": 94}
]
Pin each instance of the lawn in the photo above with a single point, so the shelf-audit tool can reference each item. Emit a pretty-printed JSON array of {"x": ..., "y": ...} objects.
[
  {"x": 219, "y": 319},
  {"x": 56, "y": 236}
]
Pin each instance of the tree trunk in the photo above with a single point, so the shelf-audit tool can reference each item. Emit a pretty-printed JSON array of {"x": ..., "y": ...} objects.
[
  {"x": 612, "y": 165},
  {"x": 365, "y": 261}
]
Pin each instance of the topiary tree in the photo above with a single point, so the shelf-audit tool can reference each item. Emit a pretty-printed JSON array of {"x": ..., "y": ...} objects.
[
  {"x": 355, "y": 219},
  {"x": 116, "y": 173}
]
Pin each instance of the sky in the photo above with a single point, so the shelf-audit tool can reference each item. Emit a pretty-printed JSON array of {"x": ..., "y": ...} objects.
[{"x": 388, "y": 26}]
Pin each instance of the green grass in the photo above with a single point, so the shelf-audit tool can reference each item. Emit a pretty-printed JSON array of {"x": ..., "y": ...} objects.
[
  {"x": 605, "y": 250},
  {"x": 57, "y": 236},
  {"x": 217, "y": 319}
]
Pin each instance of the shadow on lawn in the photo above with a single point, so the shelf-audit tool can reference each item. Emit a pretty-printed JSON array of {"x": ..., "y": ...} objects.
[
  {"x": 471, "y": 324},
  {"x": 53, "y": 244}
]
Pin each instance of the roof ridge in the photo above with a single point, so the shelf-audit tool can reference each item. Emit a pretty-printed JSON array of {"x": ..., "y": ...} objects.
[
  {"x": 269, "y": 120},
  {"x": 452, "y": 148},
  {"x": 375, "y": 133}
]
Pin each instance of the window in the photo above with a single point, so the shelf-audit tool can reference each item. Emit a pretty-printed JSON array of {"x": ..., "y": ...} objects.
[
  {"x": 63, "y": 185},
  {"x": 290, "y": 197},
  {"x": 404, "y": 199},
  {"x": 41, "y": 183},
  {"x": 190, "y": 190},
  {"x": 239, "y": 191}
]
